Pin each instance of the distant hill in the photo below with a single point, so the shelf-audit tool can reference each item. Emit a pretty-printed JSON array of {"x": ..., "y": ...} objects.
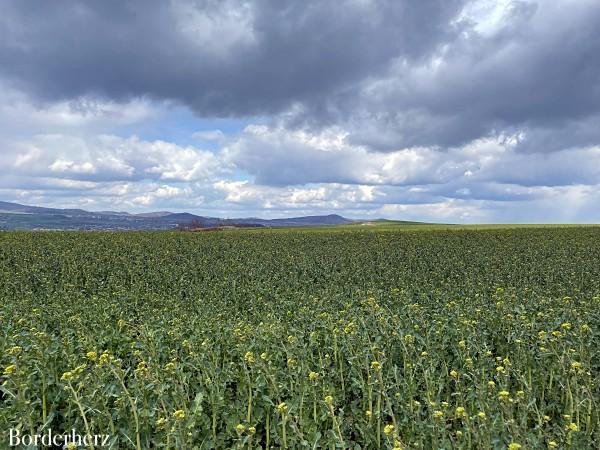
[{"x": 14, "y": 216}]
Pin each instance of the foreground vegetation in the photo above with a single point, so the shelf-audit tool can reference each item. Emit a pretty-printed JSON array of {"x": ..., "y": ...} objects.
[{"x": 360, "y": 338}]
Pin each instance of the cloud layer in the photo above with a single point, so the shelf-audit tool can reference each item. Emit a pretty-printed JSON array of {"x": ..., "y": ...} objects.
[{"x": 461, "y": 110}]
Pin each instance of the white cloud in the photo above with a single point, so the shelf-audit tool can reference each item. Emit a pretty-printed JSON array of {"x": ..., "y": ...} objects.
[
  {"x": 281, "y": 172},
  {"x": 276, "y": 156},
  {"x": 324, "y": 197},
  {"x": 109, "y": 157},
  {"x": 450, "y": 211},
  {"x": 209, "y": 135},
  {"x": 162, "y": 192},
  {"x": 63, "y": 166},
  {"x": 18, "y": 112},
  {"x": 489, "y": 16},
  {"x": 182, "y": 164}
]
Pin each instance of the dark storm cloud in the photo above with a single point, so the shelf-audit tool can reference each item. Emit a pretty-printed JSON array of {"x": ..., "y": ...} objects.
[
  {"x": 218, "y": 57},
  {"x": 540, "y": 74},
  {"x": 393, "y": 73}
]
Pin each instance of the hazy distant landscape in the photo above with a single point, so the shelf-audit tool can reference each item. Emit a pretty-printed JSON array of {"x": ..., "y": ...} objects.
[{"x": 14, "y": 216}]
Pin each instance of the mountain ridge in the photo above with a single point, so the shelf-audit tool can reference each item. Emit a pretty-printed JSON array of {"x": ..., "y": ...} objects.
[{"x": 16, "y": 216}]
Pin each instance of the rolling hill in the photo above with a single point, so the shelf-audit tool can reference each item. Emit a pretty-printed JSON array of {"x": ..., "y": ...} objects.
[{"x": 14, "y": 216}]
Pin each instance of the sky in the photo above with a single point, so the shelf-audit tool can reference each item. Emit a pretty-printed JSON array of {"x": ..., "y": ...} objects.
[{"x": 465, "y": 111}]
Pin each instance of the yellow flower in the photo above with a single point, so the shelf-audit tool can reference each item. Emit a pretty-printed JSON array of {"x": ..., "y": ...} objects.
[
  {"x": 438, "y": 414},
  {"x": 179, "y": 414},
  {"x": 170, "y": 367},
  {"x": 500, "y": 369},
  {"x": 481, "y": 415},
  {"x": 312, "y": 376},
  {"x": 491, "y": 384},
  {"x": 453, "y": 373},
  {"x": 329, "y": 400},
  {"x": 161, "y": 422},
  {"x": 282, "y": 408},
  {"x": 67, "y": 376},
  {"x": 520, "y": 394},
  {"x": 424, "y": 354},
  {"x": 240, "y": 428},
  {"x": 10, "y": 369},
  {"x": 376, "y": 365},
  {"x": 576, "y": 366},
  {"x": 552, "y": 444},
  {"x": 503, "y": 395},
  {"x": 92, "y": 356},
  {"x": 249, "y": 357},
  {"x": 546, "y": 418},
  {"x": 251, "y": 430},
  {"x": 120, "y": 323},
  {"x": 409, "y": 339},
  {"x": 566, "y": 326},
  {"x": 514, "y": 446},
  {"x": 388, "y": 430},
  {"x": 462, "y": 344},
  {"x": 350, "y": 328},
  {"x": 461, "y": 412},
  {"x": 573, "y": 427},
  {"x": 264, "y": 356},
  {"x": 16, "y": 350},
  {"x": 368, "y": 414}
]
